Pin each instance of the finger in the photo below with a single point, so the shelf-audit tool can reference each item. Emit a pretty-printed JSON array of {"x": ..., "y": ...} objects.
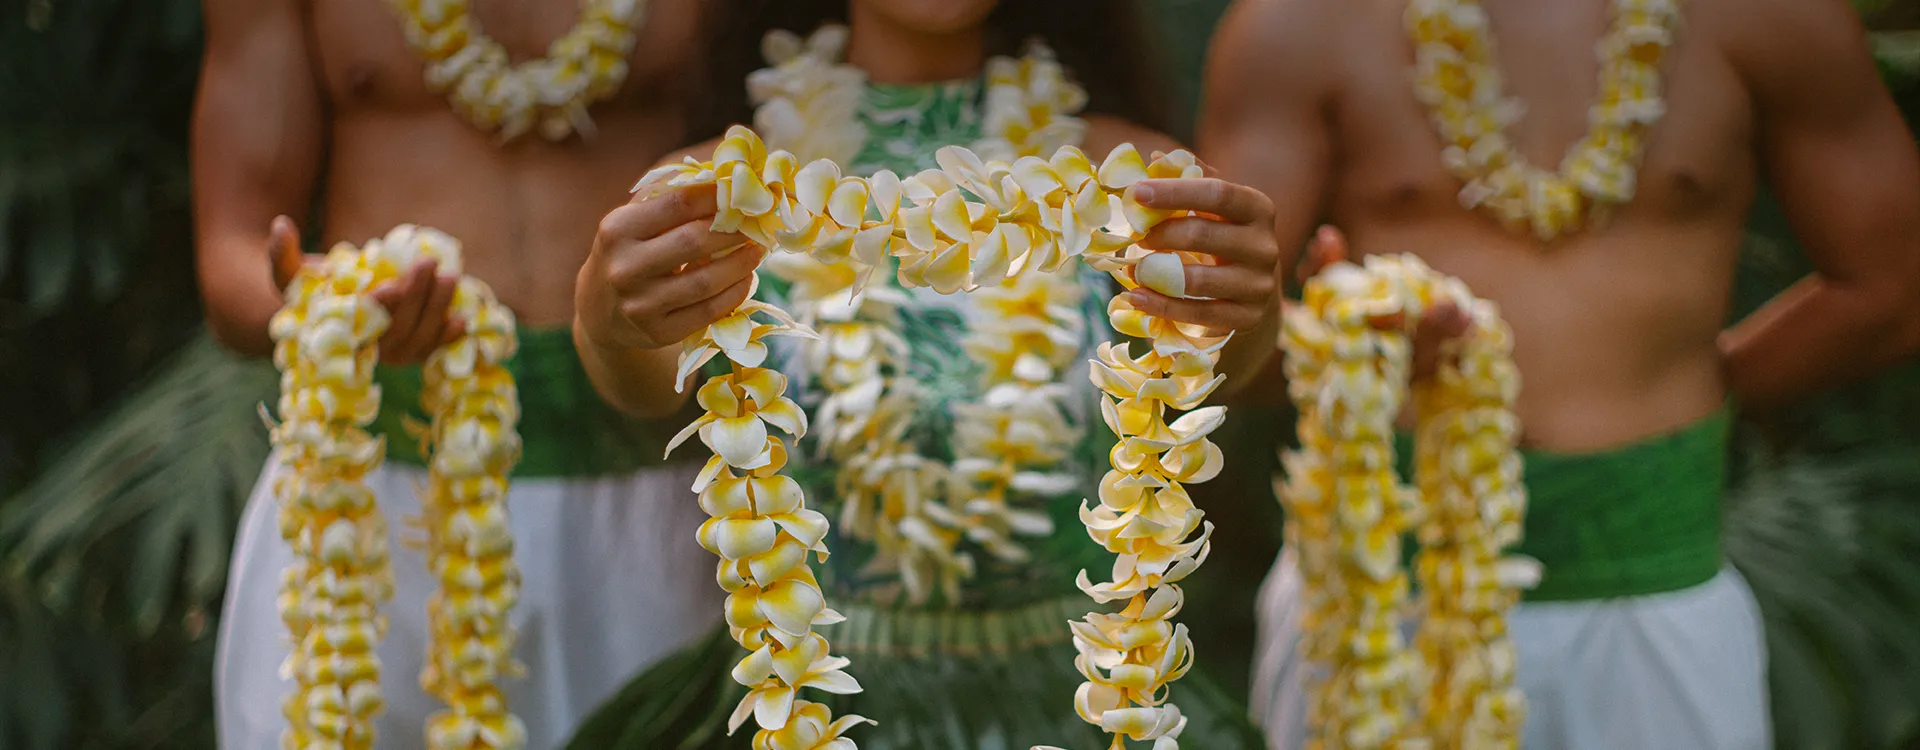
[
  {"x": 403, "y": 298},
  {"x": 1445, "y": 321},
  {"x": 689, "y": 320},
  {"x": 283, "y": 249},
  {"x": 1235, "y": 243},
  {"x": 651, "y": 215},
  {"x": 432, "y": 326},
  {"x": 1235, "y": 203},
  {"x": 1240, "y": 283},
  {"x": 1214, "y": 314},
  {"x": 454, "y": 329},
  {"x": 698, "y": 284},
  {"x": 669, "y": 253},
  {"x": 1329, "y": 246}
]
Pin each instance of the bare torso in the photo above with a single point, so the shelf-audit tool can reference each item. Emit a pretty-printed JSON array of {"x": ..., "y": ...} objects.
[
  {"x": 524, "y": 212},
  {"x": 1615, "y": 328}
]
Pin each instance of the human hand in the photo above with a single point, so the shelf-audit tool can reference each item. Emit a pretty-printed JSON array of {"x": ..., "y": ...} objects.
[
  {"x": 1445, "y": 321},
  {"x": 416, "y": 303},
  {"x": 659, "y": 273},
  {"x": 1234, "y": 229}
]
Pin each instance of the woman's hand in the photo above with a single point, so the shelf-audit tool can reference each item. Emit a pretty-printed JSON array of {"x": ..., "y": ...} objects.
[
  {"x": 416, "y": 303},
  {"x": 653, "y": 278},
  {"x": 1235, "y": 228}
]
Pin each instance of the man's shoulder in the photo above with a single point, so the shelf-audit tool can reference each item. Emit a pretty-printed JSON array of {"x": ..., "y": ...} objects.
[{"x": 1769, "y": 33}]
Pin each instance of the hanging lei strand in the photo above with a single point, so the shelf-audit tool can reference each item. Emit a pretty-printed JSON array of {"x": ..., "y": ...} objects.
[
  {"x": 325, "y": 347},
  {"x": 1457, "y": 78},
  {"x": 1347, "y": 513},
  {"x": 331, "y": 592},
  {"x": 807, "y": 104},
  {"x": 472, "y": 447},
  {"x": 1033, "y": 215},
  {"x": 584, "y": 66}
]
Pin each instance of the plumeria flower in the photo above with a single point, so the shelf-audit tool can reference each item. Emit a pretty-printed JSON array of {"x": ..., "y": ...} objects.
[
  {"x": 739, "y": 336},
  {"x": 811, "y": 727},
  {"x": 739, "y": 407},
  {"x": 774, "y": 674}
]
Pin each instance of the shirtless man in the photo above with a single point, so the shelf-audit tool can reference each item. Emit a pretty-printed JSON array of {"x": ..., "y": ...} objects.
[
  {"x": 1639, "y": 636},
  {"x": 299, "y": 97}
]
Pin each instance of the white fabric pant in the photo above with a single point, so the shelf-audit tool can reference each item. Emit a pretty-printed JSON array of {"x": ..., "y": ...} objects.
[
  {"x": 612, "y": 582},
  {"x": 1684, "y": 670}
]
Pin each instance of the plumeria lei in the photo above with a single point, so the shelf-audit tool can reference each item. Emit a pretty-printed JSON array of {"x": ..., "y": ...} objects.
[
  {"x": 969, "y": 225},
  {"x": 1347, "y": 514},
  {"x": 552, "y": 93},
  {"x": 1009, "y": 446},
  {"x": 1456, "y": 76},
  {"x": 325, "y": 348}
]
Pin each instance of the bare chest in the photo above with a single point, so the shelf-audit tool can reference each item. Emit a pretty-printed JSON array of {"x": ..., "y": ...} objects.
[
  {"x": 1698, "y": 159},
  {"x": 365, "y": 62}
]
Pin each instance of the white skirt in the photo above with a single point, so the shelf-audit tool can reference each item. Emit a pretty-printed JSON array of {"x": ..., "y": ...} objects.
[
  {"x": 1684, "y": 670},
  {"x": 612, "y": 582}
]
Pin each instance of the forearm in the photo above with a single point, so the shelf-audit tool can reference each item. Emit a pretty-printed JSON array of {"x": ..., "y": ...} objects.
[
  {"x": 637, "y": 381},
  {"x": 239, "y": 294},
  {"x": 1815, "y": 336},
  {"x": 1251, "y": 363}
]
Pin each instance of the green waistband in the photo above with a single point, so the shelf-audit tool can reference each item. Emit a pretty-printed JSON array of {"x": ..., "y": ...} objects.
[
  {"x": 1641, "y": 519},
  {"x": 911, "y": 633},
  {"x": 566, "y": 430}
]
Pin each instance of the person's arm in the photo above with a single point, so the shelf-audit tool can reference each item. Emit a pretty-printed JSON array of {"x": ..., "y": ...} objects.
[
  {"x": 1264, "y": 123},
  {"x": 258, "y": 134},
  {"x": 649, "y": 283},
  {"x": 1834, "y": 149},
  {"x": 257, "y": 140}
]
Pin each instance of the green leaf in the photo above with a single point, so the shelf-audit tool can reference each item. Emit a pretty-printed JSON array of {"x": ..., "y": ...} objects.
[
  {"x": 55, "y": 256},
  {"x": 156, "y": 562}
]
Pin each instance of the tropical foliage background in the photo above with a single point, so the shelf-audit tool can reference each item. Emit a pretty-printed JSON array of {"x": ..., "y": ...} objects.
[{"x": 128, "y": 440}]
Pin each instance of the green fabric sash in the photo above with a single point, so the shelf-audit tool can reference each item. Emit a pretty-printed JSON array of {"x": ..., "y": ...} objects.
[
  {"x": 1640, "y": 519},
  {"x": 566, "y": 430}
]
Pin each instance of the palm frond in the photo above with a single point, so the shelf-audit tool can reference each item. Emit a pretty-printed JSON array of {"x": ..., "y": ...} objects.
[
  {"x": 1831, "y": 545},
  {"x": 140, "y": 511}
]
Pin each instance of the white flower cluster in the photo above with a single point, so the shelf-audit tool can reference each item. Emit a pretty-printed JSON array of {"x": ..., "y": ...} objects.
[
  {"x": 552, "y": 93},
  {"x": 326, "y": 338},
  {"x": 1457, "y": 78},
  {"x": 1348, "y": 368}
]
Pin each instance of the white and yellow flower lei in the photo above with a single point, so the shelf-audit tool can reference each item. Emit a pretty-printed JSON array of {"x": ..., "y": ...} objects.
[
  {"x": 1347, "y": 514},
  {"x": 968, "y": 225},
  {"x": 915, "y": 509},
  {"x": 1457, "y": 78},
  {"x": 585, "y": 65},
  {"x": 326, "y": 339}
]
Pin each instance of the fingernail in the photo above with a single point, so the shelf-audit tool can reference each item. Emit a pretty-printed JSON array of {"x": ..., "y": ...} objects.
[{"x": 1143, "y": 192}]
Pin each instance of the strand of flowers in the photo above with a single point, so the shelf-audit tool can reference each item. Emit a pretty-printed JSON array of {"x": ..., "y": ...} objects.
[
  {"x": 552, "y": 93},
  {"x": 889, "y": 493},
  {"x": 326, "y": 337},
  {"x": 1347, "y": 513},
  {"x": 473, "y": 446},
  {"x": 1033, "y": 215},
  {"x": 331, "y": 592},
  {"x": 806, "y": 104},
  {"x": 1457, "y": 78},
  {"x": 1465, "y": 459},
  {"x": 1011, "y": 444}
]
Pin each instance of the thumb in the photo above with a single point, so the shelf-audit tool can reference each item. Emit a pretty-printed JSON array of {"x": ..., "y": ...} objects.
[
  {"x": 283, "y": 249},
  {"x": 1328, "y": 247}
]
